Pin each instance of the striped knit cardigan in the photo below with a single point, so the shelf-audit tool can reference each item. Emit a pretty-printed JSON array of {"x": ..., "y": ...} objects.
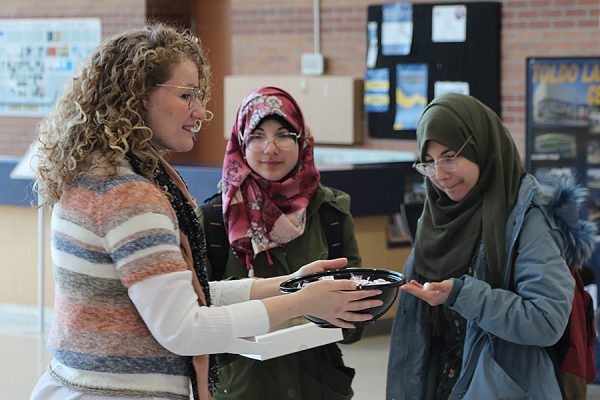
[{"x": 108, "y": 234}]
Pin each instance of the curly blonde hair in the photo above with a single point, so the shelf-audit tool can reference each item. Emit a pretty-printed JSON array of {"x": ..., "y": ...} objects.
[{"x": 98, "y": 120}]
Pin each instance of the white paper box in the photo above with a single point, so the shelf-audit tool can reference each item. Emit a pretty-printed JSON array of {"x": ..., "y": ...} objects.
[{"x": 294, "y": 339}]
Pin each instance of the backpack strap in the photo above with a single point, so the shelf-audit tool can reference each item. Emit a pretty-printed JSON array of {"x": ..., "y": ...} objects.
[
  {"x": 331, "y": 221},
  {"x": 332, "y": 224},
  {"x": 217, "y": 242}
]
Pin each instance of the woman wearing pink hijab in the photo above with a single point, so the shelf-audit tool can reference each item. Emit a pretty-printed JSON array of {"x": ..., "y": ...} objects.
[{"x": 271, "y": 201}]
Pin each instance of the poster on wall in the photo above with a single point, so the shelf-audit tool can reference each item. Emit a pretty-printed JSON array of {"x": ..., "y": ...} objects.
[
  {"x": 377, "y": 90},
  {"x": 563, "y": 123},
  {"x": 411, "y": 95},
  {"x": 449, "y": 23},
  {"x": 37, "y": 57},
  {"x": 396, "y": 29}
]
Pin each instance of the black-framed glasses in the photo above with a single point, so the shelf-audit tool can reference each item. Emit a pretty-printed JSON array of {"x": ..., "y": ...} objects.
[
  {"x": 284, "y": 142},
  {"x": 445, "y": 164},
  {"x": 197, "y": 93}
]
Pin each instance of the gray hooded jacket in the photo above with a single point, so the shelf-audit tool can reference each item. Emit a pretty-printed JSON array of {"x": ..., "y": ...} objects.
[{"x": 507, "y": 330}]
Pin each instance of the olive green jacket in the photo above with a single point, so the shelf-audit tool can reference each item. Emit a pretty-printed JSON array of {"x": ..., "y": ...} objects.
[{"x": 313, "y": 374}]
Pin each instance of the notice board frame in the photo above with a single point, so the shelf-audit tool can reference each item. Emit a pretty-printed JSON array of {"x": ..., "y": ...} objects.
[{"x": 475, "y": 61}]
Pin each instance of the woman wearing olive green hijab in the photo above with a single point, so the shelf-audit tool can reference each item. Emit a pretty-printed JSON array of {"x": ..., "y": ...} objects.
[{"x": 462, "y": 331}]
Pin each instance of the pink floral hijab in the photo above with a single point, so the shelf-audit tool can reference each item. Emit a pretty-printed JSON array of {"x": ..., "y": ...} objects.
[{"x": 260, "y": 214}]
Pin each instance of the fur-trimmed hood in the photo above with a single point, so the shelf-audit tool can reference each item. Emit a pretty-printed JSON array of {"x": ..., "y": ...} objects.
[{"x": 579, "y": 234}]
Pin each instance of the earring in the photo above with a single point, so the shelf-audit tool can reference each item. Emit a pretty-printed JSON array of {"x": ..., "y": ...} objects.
[{"x": 197, "y": 126}]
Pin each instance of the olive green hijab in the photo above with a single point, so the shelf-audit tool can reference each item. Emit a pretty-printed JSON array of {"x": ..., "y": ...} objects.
[{"x": 449, "y": 232}]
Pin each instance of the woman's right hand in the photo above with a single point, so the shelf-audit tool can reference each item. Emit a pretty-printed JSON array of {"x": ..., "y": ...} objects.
[
  {"x": 434, "y": 293},
  {"x": 336, "y": 301}
]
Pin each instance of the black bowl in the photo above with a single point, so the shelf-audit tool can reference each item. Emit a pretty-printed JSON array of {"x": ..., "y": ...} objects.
[{"x": 388, "y": 295}]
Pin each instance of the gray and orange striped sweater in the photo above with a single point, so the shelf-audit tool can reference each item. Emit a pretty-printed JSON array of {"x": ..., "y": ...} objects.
[{"x": 126, "y": 317}]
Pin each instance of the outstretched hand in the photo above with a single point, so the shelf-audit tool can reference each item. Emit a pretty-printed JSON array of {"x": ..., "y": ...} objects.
[
  {"x": 320, "y": 266},
  {"x": 337, "y": 301},
  {"x": 434, "y": 293}
]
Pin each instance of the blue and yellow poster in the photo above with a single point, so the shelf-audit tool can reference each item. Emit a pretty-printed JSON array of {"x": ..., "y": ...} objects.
[
  {"x": 411, "y": 95},
  {"x": 377, "y": 90}
]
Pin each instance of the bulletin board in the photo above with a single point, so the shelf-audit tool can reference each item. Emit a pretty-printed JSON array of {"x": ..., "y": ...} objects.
[
  {"x": 37, "y": 57},
  {"x": 417, "y": 51}
]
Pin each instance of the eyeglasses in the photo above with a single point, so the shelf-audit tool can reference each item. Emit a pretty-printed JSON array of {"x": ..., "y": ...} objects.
[
  {"x": 258, "y": 143},
  {"x": 197, "y": 93},
  {"x": 445, "y": 164}
]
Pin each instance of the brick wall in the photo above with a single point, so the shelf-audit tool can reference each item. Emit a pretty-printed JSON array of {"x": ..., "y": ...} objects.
[
  {"x": 270, "y": 36},
  {"x": 17, "y": 133},
  {"x": 171, "y": 11}
]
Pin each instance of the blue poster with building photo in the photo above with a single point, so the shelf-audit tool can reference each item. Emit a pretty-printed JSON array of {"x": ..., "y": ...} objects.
[
  {"x": 563, "y": 119},
  {"x": 563, "y": 124},
  {"x": 377, "y": 90},
  {"x": 411, "y": 95}
]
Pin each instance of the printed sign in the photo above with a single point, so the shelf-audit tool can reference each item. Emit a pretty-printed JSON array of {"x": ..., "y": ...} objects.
[
  {"x": 411, "y": 95},
  {"x": 37, "y": 57}
]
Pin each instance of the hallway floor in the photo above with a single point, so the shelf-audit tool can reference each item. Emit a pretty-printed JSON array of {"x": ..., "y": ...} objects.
[{"x": 24, "y": 357}]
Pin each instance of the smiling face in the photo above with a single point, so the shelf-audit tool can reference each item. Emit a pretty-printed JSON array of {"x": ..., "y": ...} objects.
[
  {"x": 167, "y": 111},
  {"x": 455, "y": 184},
  {"x": 272, "y": 163}
]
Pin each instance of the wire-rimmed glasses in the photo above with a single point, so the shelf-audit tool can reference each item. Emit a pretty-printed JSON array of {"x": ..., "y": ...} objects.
[
  {"x": 197, "y": 93},
  {"x": 284, "y": 142},
  {"x": 448, "y": 164}
]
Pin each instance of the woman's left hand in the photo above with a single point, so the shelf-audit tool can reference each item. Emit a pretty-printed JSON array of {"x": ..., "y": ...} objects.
[
  {"x": 434, "y": 293},
  {"x": 320, "y": 265}
]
